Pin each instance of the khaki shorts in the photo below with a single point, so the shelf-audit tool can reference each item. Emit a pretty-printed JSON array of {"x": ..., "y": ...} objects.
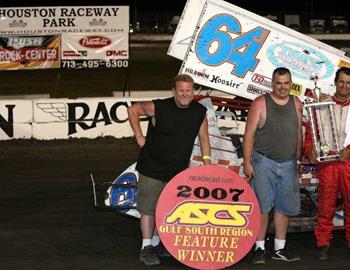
[{"x": 148, "y": 192}]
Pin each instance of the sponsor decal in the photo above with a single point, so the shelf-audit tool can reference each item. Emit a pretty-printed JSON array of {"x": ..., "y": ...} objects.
[
  {"x": 261, "y": 79},
  {"x": 187, "y": 213},
  {"x": 28, "y": 52},
  {"x": 296, "y": 89},
  {"x": 29, "y": 55},
  {"x": 117, "y": 53},
  {"x": 95, "y": 42},
  {"x": 304, "y": 62},
  {"x": 201, "y": 74},
  {"x": 308, "y": 168},
  {"x": 343, "y": 63},
  {"x": 219, "y": 80},
  {"x": 21, "y": 42},
  {"x": 208, "y": 217},
  {"x": 256, "y": 90}
]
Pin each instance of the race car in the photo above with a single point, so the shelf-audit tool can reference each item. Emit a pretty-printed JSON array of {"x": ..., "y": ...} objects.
[{"x": 226, "y": 122}]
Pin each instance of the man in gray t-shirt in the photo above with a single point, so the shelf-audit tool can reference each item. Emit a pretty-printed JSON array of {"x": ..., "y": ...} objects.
[{"x": 272, "y": 148}]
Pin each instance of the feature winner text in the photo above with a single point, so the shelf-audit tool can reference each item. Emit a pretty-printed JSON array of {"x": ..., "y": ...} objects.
[{"x": 209, "y": 244}]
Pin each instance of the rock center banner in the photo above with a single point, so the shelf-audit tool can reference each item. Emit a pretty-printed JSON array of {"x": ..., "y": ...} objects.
[
  {"x": 208, "y": 217},
  {"x": 17, "y": 52}
]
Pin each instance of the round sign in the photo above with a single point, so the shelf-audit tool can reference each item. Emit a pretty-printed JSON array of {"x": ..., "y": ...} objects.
[{"x": 208, "y": 217}]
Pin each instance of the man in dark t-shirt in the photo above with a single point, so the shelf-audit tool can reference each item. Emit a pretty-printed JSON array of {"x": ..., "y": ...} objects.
[{"x": 165, "y": 151}]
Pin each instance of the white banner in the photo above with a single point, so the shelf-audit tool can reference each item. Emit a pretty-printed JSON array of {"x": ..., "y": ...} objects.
[
  {"x": 16, "y": 110},
  {"x": 66, "y": 118},
  {"x": 82, "y": 118},
  {"x": 92, "y": 51},
  {"x": 84, "y": 37},
  {"x": 15, "y": 119},
  {"x": 83, "y": 46},
  {"x": 56, "y": 20},
  {"x": 235, "y": 51}
]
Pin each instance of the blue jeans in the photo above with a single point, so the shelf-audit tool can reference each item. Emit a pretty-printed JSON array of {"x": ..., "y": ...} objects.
[{"x": 276, "y": 185}]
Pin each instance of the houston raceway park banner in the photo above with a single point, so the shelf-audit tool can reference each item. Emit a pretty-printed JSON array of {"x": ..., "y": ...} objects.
[
  {"x": 64, "y": 37},
  {"x": 227, "y": 48}
]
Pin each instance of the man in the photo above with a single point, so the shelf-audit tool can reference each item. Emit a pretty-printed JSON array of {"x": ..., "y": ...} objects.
[
  {"x": 272, "y": 148},
  {"x": 333, "y": 176},
  {"x": 175, "y": 122}
]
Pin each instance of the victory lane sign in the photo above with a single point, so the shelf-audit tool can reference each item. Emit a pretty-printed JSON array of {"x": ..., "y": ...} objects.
[{"x": 208, "y": 217}]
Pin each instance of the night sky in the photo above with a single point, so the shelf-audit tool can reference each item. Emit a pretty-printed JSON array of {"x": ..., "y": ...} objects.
[{"x": 178, "y": 5}]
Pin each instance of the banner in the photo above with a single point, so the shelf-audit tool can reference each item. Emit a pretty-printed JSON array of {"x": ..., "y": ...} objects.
[
  {"x": 29, "y": 52},
  {"x": 93, "y": 51},
  {"x": 236, "y": 51},
  {"x": 57, "y": 20}
]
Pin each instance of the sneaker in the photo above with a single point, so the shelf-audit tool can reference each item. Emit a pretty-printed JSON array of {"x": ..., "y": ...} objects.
[
  {"x": 259, "y": 256},
  {"x": 161, "y": 251},
  {"x": 323, "y": 253},
  {"x": 284, "y": 255},
  {"x": 148, "y": 256}
]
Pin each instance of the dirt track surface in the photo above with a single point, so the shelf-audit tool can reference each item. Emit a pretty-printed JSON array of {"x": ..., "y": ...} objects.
[{"x": 48, "y": 220}]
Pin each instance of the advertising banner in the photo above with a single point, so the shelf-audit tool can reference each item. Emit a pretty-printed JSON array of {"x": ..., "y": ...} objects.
[
  {"x": 93, "y": 51},
  {"x": 82, "y": 37},
  {"x": 236, "y": 51},
  {"x": 56, "y": 20},
  {"x": 29, "y": 52}
]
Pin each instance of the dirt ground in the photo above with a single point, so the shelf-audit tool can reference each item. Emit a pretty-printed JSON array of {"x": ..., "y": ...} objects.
[{"x": 48, "y": 220}]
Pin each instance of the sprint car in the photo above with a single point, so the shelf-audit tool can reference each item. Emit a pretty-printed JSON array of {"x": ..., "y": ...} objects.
[{"x": 226, "y": 121}]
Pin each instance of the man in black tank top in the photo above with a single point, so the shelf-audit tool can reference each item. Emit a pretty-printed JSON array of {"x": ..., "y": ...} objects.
[
  {"x": 272, "y": 149},
  {"x": 165, "y": 151}
]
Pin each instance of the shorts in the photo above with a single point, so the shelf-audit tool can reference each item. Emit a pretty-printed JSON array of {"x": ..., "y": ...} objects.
[
  {"x": 276, "y": 185},
  {"x": 148, "y": 192}
]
